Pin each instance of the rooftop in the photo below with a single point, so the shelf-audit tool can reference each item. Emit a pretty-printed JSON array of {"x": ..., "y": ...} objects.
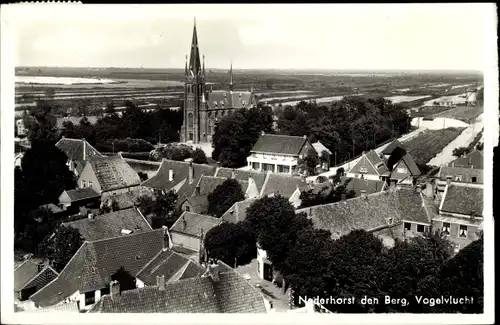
[
  {"x": 445, "y": 171},
  {"x": 193, "y": 223},
  {"x": 474, "y": 159},
  {"x": 93, "y": 264},
  {"x": 223, "y": 99},
  {"x": 128, "y": 199},
  {"x": 390, "y": 148},
  {"x": 358, "y": 185},
  {"x": 462, "y": 199},
  {"x": 243, "y": 175},
  {"x": 110, "y": 225},
  {"x": 113, "y": 173},
  {"x": 319, "y": 147},
  {"x": 75, "y": 149},
  {"x": 238, "y": 212},
  {"x": 230, "y": 294},
  {"x": 207, "y": 184},
  {"x": 79, "y": 194},
  {"x": 279, "y": 144},
  {"x": 376, "y": 161},
  {"x": 283, "y": 184}
]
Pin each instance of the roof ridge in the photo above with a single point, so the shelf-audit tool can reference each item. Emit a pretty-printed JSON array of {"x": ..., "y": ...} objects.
[
  {"x": 352, "y": 199},
  {"x": 128, "y": 236}
]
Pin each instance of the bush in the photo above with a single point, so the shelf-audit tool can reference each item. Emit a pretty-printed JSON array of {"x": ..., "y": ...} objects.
[
  {"x": 199, "y": 156},
  {"x": 178, "y": 152},
  {"x": 128, "y": 145}
]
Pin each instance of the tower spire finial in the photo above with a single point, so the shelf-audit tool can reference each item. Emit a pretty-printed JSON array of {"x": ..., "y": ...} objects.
[{"x": 231, "y": 86}]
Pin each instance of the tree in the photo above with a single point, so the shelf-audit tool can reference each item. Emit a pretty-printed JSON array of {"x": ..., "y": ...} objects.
[
  {"x": 61, "y": 247},
  {"x": 327, "y": 194},
  {"x": 199, "y": 156},
  {"x": 311, "y": 161},
  {"x": 235, "y": 135},
  {"x": 163, "y": 209},
  {"x": 461, "y": 276},
  {"x": 396, "y": 155},
  {"x": 146, "y": 204},
  {"x": 127, "y": 281},
  {"x": 224, "y": 196},
  {"x": 234, "y": 244},
  {"x": 143, "y": 176},
  {"x": 459, "y": 152}
]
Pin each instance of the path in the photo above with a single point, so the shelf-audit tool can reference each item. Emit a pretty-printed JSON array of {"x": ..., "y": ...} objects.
[{"x": 463, "y": 140}]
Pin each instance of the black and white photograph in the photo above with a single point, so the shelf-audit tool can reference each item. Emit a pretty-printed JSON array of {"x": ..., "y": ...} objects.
[{"x": 268, "y": 159}]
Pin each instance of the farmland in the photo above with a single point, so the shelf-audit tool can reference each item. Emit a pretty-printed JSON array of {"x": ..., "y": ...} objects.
[
  {"x": 91, "y": 89},
  {"x": 463, "y": 113},
  {"x": 430, "y": 143}
]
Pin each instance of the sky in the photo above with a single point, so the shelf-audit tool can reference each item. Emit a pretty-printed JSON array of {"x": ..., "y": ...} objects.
[{"x": 258, "y": 36}]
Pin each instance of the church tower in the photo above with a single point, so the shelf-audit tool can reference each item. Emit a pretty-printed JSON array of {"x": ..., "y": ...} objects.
[{"x": 194, "y": 128}]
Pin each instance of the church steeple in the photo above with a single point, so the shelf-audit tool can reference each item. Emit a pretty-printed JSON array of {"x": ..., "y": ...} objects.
[
  {"x": 186, "y": 67},
  {"x": 231, "y": 85},
  {"x": 204, "y": 75},
  {"x": 194, "y": 58}
]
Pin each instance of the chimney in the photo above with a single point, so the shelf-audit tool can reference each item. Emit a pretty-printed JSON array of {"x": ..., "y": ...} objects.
[
  {"x": 263, "y": 133},
  {"x": 342, "y": 197},
  {"x": 166, "y": 239},
  {"x": 184, "y": 223},
  {"x": 197, "y": 189},
  {"x": 305, "y": 136},
  {"x": 170, "y": 175},
  {"x": 363, "y": 193},
  {"x": 91, "y": 216},
  {"x": 213, "y": 271},
  {"x": 233, "y": 173},
  {"x": 191, "y": 172},
  {"x": 84, "y": 149},
  {"x": 160, "y": 282},
  {"x": 114, "y": 289},
  {"x": 218, "y": 164}
]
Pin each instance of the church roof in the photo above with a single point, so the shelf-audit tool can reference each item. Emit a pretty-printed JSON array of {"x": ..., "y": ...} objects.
[{"x": 222, "y": 99}]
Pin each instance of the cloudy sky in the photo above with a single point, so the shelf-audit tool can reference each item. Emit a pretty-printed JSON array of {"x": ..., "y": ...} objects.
[{"x": 426, "y": 36}]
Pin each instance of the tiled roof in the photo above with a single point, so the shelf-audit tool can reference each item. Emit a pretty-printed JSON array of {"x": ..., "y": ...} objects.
[
  {"x": 243, "y": 175},
  {"x": 370, "y": 212},
  {"x": 475, "y": 159},
  {"x": 110, "y": 225},
  {"x": 25, "y": 272},
  {"x": 113, "y": 173},
  {"x": 463, "y": 199},
  {"x": 445, "y": 171},
  {"x": 227, "y": 99},
  {"x": 377, "y": 162},
  {"x": 82, "y": 194},
  {"x": 94, "y": 263},
  {"x": 412, "y": 166},
  {"x": 367, "y": 213},
  {"x": 70, "y": 307},
  {"x": 207, "y": 184},
  {"x": 319, "y": 147},
  {"x": 283, "y": 184},
  {"x": 128, "y": 199},
  {"x": 390, "y": 148},
  {"x": 180, "y": 171},
  {"x": 238, "y": 212},
  {"x": 73, "y": 148},
  {"x": 191, "y": 270},
  {"x": 231, "y": 294},
  {"x": 279, "y": 144},
  {"x": 367, "y": 185},
  {"x": 192, "y": 223},
  {"x": 40, "y": 280},
  {"x": 169, "y": 264},
  {"x": 199, "y": 203}
]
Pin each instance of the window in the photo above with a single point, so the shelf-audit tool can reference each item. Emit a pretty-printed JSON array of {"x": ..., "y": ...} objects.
[
  {"x": 89, "y": 298},
  {"x": 90, "y": 184},
  {"x": 84, "y": 184},
  {"x": 408, "y": 226},
  {"x": 446, "y": 228},
  {"x": 420, "y": 228},
  {"x": 462, "y": 233},
  {"x": 458, "y": 178},
  {"x": 474, "y": 179},
  {"x": 190, "y": 119},
  {"x": 255, "y": 165},
  {"x": 191, "y": 136},
  {"x": 187, "y": 208}
]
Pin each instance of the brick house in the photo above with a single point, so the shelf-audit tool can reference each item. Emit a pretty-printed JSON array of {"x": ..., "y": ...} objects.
[{"x": 278, "y": 153}]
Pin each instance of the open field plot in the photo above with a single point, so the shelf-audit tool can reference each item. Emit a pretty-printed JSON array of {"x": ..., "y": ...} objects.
[
  {"x": 463, "y": 113},
  {"x": 429, "y": 143}
]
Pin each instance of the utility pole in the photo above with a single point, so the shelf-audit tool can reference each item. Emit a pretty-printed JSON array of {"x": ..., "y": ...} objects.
[{"x": 353, "y": 143}]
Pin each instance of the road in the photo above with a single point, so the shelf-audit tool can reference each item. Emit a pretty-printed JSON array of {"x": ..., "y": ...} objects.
[{"x": 463, "y": 140}]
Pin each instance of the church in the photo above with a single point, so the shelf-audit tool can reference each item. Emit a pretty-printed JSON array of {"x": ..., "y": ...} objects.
[{"x": 203, "y": 107}]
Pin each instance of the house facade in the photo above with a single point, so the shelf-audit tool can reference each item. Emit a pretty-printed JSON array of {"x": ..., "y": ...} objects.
[
  {"x": 460, "y": 213},
  {"x": 369, "y": 166},
  {"x": 448, "y": 174},
  {"x": 405, "y": 172},
  {"x": 278, "y": 153},
  {"x": 189, "y": 229}
]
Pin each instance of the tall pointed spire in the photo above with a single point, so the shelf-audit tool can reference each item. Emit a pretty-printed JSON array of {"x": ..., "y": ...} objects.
[
  {"x": 194, "y": 57},
  {"x": 203, "y": 67},
  {"x": 186, "y": 67},
  {"x": 231, "y": 77}
]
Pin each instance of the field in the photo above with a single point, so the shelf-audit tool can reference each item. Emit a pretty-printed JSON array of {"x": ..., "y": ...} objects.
[
  {"x": 429, "y": 143},
  {"x": 74, "y": 88},
  {"x": 463, "y": 113}
]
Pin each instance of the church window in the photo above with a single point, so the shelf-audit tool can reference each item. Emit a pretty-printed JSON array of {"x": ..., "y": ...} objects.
[{"x": 190, "y": 120}]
